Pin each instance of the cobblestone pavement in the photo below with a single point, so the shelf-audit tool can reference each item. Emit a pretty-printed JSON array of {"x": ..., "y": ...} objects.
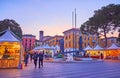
[{"x": 106, "y": 69}]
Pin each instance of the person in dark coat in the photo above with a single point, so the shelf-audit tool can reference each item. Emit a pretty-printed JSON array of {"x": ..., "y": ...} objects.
[
  {"x": 26, "y": 57},
  {"x": 40, "y": 56},
  {"x": 31, "y": 55},
  {"x": 35, "y": 57},
  {"x": 101, "y": 55}
]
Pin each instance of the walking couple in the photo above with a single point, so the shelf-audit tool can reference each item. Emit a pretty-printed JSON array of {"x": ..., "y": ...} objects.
[{"x": 38, "y": 56}]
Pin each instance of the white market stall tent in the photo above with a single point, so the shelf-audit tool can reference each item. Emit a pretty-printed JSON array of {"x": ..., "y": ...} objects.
[
  {"x": 113, "y": 52},
  {"x": 70, "y": 49},
  {"x": 46, "y": 48},
  {"x": 10, "y": 50},
  {"x": 94, "y": 52},
  {"x": 88, "y": 48},
  {"x": 57, "y": 48},
  {"x": 43, "y": 47},
  {"x": 52, "y": 47},
  {"x": 97, "y": 47},
  {"x": 51, "y": 50},
  {"x": 113, "y": 46}
]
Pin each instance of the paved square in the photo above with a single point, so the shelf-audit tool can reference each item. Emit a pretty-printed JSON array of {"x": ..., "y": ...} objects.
[{"x": 106, "y": 69}]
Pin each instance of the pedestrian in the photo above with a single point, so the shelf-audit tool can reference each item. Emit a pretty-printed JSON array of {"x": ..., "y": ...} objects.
[
  {"x": 26, "y": 57},
  {"x": 40, "y": 56},
  {"x": 35, "y": 56},
  {"x": 101, "y": 55},
  {"x": 31, "y": 55}
]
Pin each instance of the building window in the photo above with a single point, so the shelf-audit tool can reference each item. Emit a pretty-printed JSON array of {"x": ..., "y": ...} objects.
[
  {"x": 69, "y": 44},
  {"x": 66, "y": 38},
  {"x": 85, "y": 44},
  {"x": 69, "y": 36},
  {"x": 66, "y": 45},
  {"x": 30, "y": 41},
  {"x": 25, "y": 44},
  {"x": 30, "y": 44}
]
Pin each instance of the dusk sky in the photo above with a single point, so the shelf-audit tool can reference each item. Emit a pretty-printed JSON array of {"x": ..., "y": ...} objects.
[{"x": 51, "y": 16}]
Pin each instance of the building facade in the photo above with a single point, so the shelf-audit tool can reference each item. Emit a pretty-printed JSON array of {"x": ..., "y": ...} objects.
[
  {"x": 28, "y": 42},
  {"x": 53, "y": 41},
  {"x": 90, "y": 40},
  {"x": 110, "y": 41},
  {"x": 72, "y": 39}
]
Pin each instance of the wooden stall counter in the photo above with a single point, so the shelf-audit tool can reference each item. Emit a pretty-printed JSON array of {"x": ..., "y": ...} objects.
[{"x": 9, "y": 63}]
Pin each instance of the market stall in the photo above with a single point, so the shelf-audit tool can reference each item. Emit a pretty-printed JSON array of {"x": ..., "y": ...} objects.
[
  {"x": 113, "y": 52},
  {"x": 88, "y": 50},
  {"x": 95, "y": 52},
  {"x": 10, "y": 50},
  {"x": 48, "y": 51}
]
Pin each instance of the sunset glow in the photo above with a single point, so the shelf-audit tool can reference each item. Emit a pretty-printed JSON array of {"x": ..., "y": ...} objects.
[{"x": 53, "y": 17}]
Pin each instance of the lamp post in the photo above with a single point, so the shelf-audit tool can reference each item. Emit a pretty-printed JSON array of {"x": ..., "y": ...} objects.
[{"x": 74, "y": 30}]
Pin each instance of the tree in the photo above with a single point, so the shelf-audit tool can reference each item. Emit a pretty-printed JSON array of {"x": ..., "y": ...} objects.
[
  {"x": 14, "y": 27},
  {"x": 105, "y": 20},
  {"x": 118, "y": 39}
]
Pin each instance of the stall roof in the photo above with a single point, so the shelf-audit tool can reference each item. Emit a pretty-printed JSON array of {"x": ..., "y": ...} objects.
[
  {"x": 53, "y": 47},
  {"x": 57, "y": 47},
  {"x": 98, "y": 48},
  {"x": 113, "y": 46},
  {"x": 9, "y": 36},
  {"x": 70, "y": 49},
  {"x": 88, "y": 48},
  {"x": 46, "y": 46},
  {"x": 43, "y": 47}
]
